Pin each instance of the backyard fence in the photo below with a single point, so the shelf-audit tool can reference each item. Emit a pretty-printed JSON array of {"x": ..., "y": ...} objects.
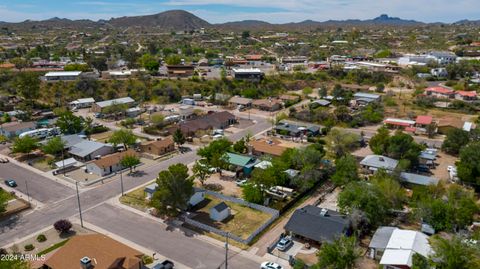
[{"x": 274, "y": 215}]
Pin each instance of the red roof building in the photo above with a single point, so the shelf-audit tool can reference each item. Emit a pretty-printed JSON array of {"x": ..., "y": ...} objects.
[
  {"x": 440, "y": 92},
  {"x": 466, "y": 95},
  {"x": 424, "y": 120}
]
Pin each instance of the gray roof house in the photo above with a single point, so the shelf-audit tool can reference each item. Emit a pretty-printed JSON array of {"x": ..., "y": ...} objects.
[
  {"x": 220, "y": 212},
  {"x": 379, "y": 241},
  {"x": 372, "y": 163},
  {"x": 418, "y": 179},
  {"x": 87, "y": 150},
  {"x": 317, "y": 224}
]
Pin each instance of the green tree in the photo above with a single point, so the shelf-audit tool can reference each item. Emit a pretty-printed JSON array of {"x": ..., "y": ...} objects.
[
  {"x": 342, "y": 253},
  {"x": 365, "y": 197},
  {"x": 214, "y": 153},
  {"x": 54, "y": 146},
  {"x": 157, "y": 120},
  {"x": 179, "y": 138},
  {"x": 456, "y": 139},
  {"x": 149, "y": 62},
  {"x": 173, "y": 59},
  {"x": 240, "y": 146},
  {"x": 346, "y": 170},
  {"x": 130, "y": 161},
  {"x": 174, "y": 190},
  {"x": 24, "y": 145},
  {"x": 340, "y": 142},
  {"x": 124, "y": 137},
  {"x": 14, "y": 264},
  {"x": 453, "y": 253},
  {"x": 201, "y": 170},
  {"x": 253, "y": 193},
  {"x": 390, "y": 188},
  {"x": 468, "y": 167},
  {"x": 69, "y": 123},
  {"x": 28, "y": 85},
  {"x": 379, "y": 142},
  {"x": 419, "y": 262}
]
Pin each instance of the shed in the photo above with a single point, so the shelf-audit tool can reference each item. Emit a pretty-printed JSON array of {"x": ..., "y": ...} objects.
[{"x": 220, "y": 212}]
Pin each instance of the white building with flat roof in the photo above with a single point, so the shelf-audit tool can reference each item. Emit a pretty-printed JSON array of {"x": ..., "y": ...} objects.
[{"x": 62, "y": 75}]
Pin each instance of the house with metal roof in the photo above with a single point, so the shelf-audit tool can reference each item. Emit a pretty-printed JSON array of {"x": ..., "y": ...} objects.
[
  {"x": 87, "y": 150},
  {"x": 416, "y": 179},
  {"x": 363, "y": 98},
  {"x": 317, "y": 224},
  {"x": 241, "y": 163},
  {"x": 296, "y": 129},
  {"x": 99, "y": 106},
  {"x": 82, "y": 103},
  {"x": 372, "y": 163},
  {"x": 62, "y": 75},
  {"x": 395, "y": 248}
]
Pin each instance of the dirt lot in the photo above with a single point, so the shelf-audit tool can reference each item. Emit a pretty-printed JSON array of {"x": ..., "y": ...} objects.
[
  {"x": 242, "y": 222},
  {"x": 229, "y": 187},
  {"x": 443, "y": 160}
]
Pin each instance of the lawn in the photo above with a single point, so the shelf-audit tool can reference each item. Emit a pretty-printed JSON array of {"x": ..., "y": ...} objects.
[
  {"x": 243, "y": 222},
  {"x": 135, "y": 199},
  {"x": 102, "y": 137},
  {"x": 7, "y": 194}
]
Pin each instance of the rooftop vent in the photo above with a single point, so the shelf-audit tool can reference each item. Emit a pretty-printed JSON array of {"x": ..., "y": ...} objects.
[
  {"x": 85, "y": 263},
  {"x": 324, "y": 212},
  {"x": 381, "y": 159}
]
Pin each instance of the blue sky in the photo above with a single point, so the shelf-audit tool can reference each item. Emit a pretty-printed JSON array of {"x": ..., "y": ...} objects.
[{"x": 215, "y": 11}]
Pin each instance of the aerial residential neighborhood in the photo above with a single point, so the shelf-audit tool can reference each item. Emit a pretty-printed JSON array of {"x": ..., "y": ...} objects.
[{"x": 271, "y": 135}]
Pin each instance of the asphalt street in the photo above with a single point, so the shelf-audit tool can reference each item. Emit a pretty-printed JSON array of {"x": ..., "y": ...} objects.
[
  {"x": 61, "y": 202},
  {"x": 177, "y": 245}
]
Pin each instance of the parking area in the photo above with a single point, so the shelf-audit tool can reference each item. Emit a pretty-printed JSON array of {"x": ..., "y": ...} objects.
[{"x": 298, "y": 250}]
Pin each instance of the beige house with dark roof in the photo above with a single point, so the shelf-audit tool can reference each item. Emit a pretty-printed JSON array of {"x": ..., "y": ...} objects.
[
  {"x": 158, "y": 147},
  {"x": 109, "y": 164}
]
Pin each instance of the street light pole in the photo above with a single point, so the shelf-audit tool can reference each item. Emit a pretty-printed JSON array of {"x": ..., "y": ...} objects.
[{"x": 79, "y": 207}]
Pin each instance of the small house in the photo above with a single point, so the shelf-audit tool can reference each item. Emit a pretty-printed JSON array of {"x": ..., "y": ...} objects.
[
  {"x": 466, "y": 96},
  {"x": 109, "y": 164},
  {"x": 267, "y": 104},
  {"x": 372, "y": 163},
  {"x": 363, "y": 99},
  {"x": 62, "y": 75},
  {"x": 82, "y": 103},
  {"x": 317, "y": 224},
  {"x": 252, "y": 74},
  {"x": 15, "y": 128},
  {"x": 158, "y": 147},
  {"x": 220, "y": 212},
  {"x": 197, "y": 197},
  {"x": 440, "y": 92},
  {"x": 267, "y": 147},
  {"x": 242, "y": 164},
  {"x": 237, "y": 101},
  {"x": 99, "y": 106},
  {"x": 87, "y": 150}
]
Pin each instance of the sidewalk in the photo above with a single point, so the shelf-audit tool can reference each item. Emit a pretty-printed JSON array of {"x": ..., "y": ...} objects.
[
  {"x": 158, "y": 257},
  {"x": 177, "y": 227}
]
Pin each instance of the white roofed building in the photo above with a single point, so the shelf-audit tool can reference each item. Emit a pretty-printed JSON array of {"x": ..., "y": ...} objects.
[{"x": 62, "y": 75}]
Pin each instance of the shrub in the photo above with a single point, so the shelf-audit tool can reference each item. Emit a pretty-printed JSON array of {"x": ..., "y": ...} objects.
[
  {"x": 63, "y": 226},
  {"x": 147, "y": 259},
  {"x": 41, "y": 238},
  {"x": 29, "y": 247}
]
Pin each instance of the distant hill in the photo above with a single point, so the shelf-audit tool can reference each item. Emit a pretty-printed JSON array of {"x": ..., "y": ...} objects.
[
  {"x": 171, "y": 20},
  {"x": 183, "y": 20}
]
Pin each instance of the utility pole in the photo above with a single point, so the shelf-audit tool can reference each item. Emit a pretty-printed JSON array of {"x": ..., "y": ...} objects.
[
  {"x": 226, "y": 250},
  {"x": 121, "y": 181},
  {"x": 63, "y": 162},
  {"x": 79, "y": 207},
  {"x": 28, "y": 194}
]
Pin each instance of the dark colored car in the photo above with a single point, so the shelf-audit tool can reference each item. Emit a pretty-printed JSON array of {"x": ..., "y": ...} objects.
[
  {"x": 166, "y": 264},
  {"x": 10, "y": 182}
]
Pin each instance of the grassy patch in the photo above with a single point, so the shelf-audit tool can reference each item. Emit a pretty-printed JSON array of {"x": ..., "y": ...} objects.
[
  {"x": 102, "y": 137},
  {"x": 135, "y": 199},
  {"x": 53, "y": 247},
  {"x": 243, "y": 222},
  {"x": 43, "y": 163},
  {"x": 6, "y": 194}
]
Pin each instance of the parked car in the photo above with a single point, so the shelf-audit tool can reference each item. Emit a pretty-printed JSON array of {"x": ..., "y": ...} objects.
[
  {"x": 240, "y": 182},
  {"x": 270, "y": 265},
  {"x": 11, "y": 183},
  {"x": 276, "y": 194},
  {"x": 166, "y": 264},
  {"x": 284, "y": 243},
  {"x": 423, "y": 169}
]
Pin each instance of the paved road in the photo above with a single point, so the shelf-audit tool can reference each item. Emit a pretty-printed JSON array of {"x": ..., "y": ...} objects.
[
  {"x": 62, "y": 203},
  {"x": 177, "y": 245},
  {"x": 40, "y": 188}
]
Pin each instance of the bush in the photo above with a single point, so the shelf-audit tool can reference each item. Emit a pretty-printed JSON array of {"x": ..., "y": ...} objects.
[
  {"x": 29, "y": 247},
  {"x": 147, "y": 259},
  {"x": 41, "y": 238},
  {"x": 63, "y": 226}
]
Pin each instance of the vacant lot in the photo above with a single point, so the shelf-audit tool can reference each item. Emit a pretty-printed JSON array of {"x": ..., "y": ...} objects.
[
  {"x": 135, "y": 199},
  {"x": 243, "y": 221}
]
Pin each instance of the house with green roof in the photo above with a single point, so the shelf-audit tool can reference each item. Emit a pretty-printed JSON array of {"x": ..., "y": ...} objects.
[{"x": 241, "y": 163}]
